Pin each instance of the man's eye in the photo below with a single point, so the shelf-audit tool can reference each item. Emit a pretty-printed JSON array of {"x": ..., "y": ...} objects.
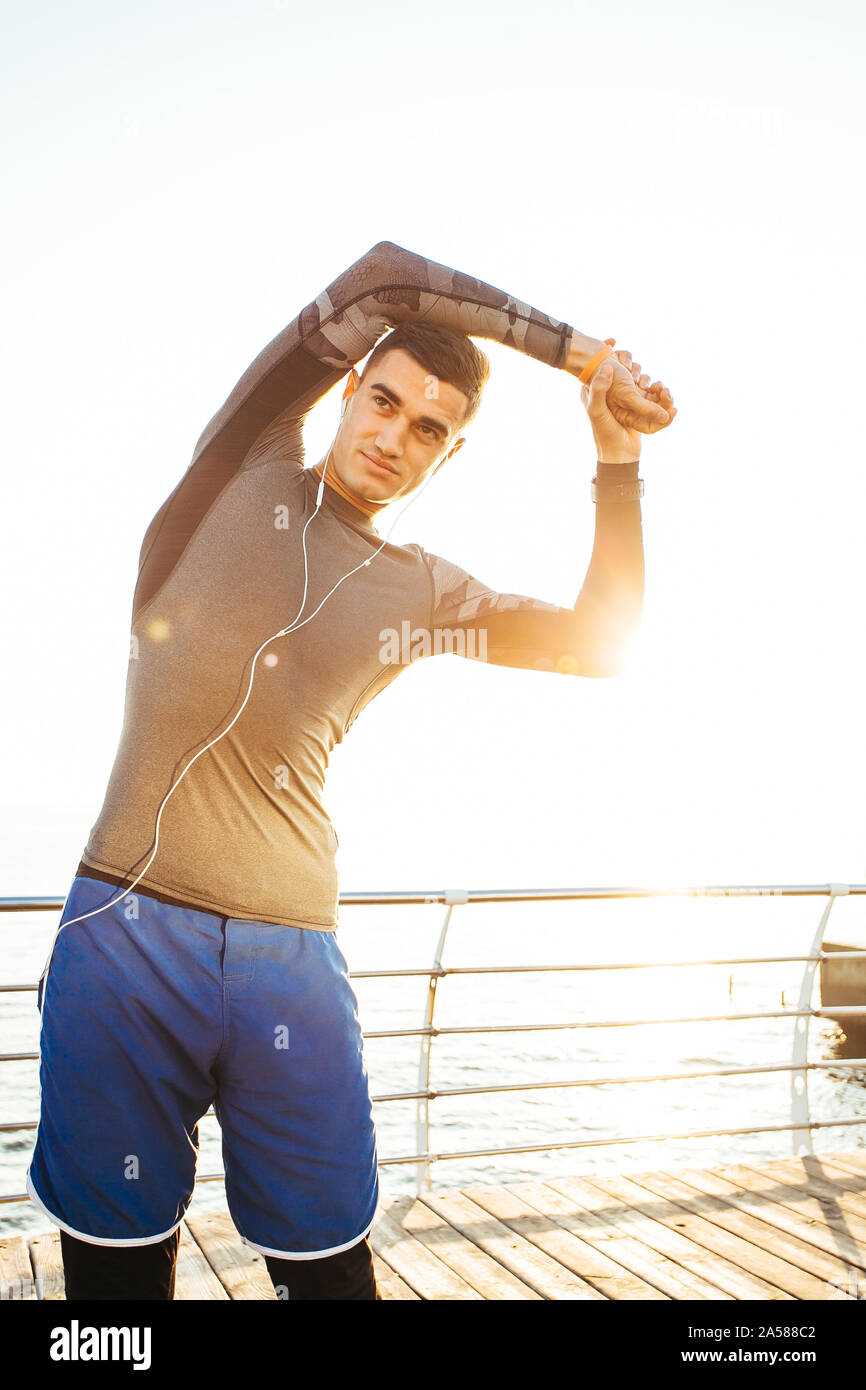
[
  {"x": 381, "y": 400},
  {"x": 430, "y": 432}
]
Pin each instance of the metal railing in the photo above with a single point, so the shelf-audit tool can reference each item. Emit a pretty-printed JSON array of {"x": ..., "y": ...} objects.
[{"x": 801, "y": 1124}]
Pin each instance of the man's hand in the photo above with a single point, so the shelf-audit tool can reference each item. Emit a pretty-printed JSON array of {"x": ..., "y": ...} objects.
[
  {"x": 635, "y": 402},
  {"x": 614, "y": 442},
  {"x": 631, "y": 400}
]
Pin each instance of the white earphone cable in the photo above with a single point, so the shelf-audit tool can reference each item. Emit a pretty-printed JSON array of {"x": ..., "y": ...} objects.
[{"x": 294, "y": 626}]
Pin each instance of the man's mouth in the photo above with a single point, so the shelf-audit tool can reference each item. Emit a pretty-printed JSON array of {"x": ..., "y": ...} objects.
[{"x": 377, "y": 463}]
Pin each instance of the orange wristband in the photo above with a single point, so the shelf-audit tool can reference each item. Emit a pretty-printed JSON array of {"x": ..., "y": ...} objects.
[{"x": 595, "y": 362}]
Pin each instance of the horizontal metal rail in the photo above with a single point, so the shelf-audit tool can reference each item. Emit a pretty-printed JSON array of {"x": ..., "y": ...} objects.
[
  {"x": 561, "y": 1144},
  {"x": 831, "y": 1011},
  {"x": 604, "y": 965},
  {"x": 434, "y": 1031},
  {"x": 429, "y": 972},
  {"x": 618, "y": 1139},
  {"x": 443, "y": 1093},
  {"x": 522, "y": 895}
]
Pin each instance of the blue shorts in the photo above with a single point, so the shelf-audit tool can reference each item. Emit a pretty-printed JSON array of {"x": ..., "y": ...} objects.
[{"x": 150, "y": 1014}]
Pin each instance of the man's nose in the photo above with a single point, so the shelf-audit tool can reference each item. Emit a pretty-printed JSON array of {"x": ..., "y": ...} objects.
[{"x": 390, "y": 439}]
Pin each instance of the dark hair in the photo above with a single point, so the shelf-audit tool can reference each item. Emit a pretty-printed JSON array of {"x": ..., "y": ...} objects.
[{"x": 450, "y": 356}]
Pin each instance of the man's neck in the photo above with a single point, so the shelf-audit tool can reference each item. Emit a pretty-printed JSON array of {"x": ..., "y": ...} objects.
[{"x": 333, "y": 479}]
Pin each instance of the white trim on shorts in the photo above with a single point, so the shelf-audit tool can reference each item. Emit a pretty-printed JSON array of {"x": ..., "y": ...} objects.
[
  {"x": 308, "y": 1254},
  {"x": 80, "y": 1235}
]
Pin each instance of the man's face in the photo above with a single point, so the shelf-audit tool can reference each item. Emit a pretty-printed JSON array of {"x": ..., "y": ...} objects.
[{"x": 399, "y": 424}]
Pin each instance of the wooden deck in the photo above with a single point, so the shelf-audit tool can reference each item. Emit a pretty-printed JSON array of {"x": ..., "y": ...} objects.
[{"x": 787, "y": 1229}]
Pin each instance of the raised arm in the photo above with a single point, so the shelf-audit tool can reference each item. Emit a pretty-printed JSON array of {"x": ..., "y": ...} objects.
[
  {"x": 591, "y": 638},
  {"x": 387, "y": 286}
]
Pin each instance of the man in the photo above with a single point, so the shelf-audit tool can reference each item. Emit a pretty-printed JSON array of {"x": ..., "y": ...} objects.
[{"x": 197, "y": 959}]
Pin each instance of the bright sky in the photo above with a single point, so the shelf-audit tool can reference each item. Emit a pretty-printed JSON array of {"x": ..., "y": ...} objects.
[{"x": 183, "y": 179}]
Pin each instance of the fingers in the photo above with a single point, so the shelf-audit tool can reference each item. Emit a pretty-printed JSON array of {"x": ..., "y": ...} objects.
[
  {"x": 596, "y": 404},
  {"x": 659, "y": 421},
  {"x": 625, "y": 358},
  {"x": 654, "y": 389},
  {"x": 601, "y": 381},
  {"x": 649, "y": 412},
  {"x": 638, "y": 412},
  {"x": 660, "y": 394}
]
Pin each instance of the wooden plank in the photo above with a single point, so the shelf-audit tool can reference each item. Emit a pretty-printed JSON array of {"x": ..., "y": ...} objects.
[
  {"x": 416, "y": 1265},
  {"x": 676, "y": 1211},
  {"x": 578, "y": 1253},
  {"x": 492, "y": 1280},
  {"x": 47, "y": 1260},
  {"x": 390, "y": 1285},
  {"x": 195, "y": 1280},
  {"x": 842, "y": 1177},
  {"x": 241, "y": 1270},
  {"x": 16, "y": 1273},
  {"x": 805, "y": 1172},
  {"x": 788, "y": 1280},
  {"x": 655, "y": 1265},
  {"x": 828, "y": 1269},
  {"x": 854, "y": 1161},
  {"x": 531, "y": 1265},
  {"x": 813, "y": 1219},
  {"x": 621, "y": 1200},
  {"x": 732, "y": 1231}
]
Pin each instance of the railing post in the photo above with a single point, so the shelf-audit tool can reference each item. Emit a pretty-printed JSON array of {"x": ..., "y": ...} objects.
[
  {"x": 801, "y": 1136},
  {"x": 422, "y": 1123}
]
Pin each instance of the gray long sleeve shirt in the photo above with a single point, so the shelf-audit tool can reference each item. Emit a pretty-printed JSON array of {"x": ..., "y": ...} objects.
[{"x": 246, "y": 833}]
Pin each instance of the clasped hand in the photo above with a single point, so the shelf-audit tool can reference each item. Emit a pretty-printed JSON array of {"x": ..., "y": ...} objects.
[{"x": 622, "y": 404}]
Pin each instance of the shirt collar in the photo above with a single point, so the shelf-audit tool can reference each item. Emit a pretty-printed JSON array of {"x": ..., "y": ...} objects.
[{"x": 341, "y": 506}]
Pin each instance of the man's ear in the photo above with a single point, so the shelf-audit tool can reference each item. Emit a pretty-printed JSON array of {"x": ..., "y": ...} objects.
[
  {"x": 352, "y": 382},
  {"x": 458, "y": 444}
]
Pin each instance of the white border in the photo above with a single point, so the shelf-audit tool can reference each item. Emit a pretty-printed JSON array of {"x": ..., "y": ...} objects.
[
  {"x": 80, "y": 1235},
  {"x": 152, "y": 1240},
  {"x": 308, "y": 1254}
]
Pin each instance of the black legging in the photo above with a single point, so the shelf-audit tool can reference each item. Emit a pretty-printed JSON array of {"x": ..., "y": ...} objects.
[{"x": 147, "y": 1272}]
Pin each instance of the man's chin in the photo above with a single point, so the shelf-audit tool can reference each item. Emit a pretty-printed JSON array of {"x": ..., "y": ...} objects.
[{"x": 372, "y": 483}]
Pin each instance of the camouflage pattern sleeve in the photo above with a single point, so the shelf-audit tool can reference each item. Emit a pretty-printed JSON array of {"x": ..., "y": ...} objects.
[
  {"x": 390, "y": 286},
  {"x": 386, "y": 287},
  {"x": 469, "y": 619}
]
